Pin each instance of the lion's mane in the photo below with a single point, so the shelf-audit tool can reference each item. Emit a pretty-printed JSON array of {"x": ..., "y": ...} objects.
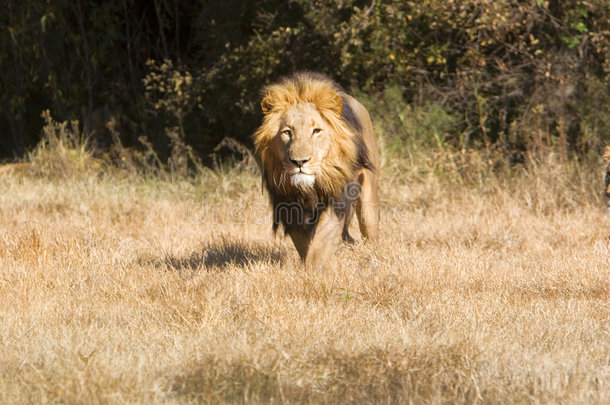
[{"x": 346, "y": 155}]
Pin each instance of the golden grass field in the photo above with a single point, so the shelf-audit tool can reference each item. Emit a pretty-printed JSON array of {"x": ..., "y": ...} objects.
[{"x": 126, "y": 289}]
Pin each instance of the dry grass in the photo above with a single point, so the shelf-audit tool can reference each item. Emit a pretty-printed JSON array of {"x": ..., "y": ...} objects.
[{"x": 117, "y": 290}]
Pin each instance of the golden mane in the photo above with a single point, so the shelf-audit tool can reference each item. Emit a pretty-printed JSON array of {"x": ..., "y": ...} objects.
[{"x": 340, "y": 163}]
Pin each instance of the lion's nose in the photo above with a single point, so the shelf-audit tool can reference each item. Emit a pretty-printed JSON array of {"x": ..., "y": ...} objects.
[{"x": 300, "y": 162}]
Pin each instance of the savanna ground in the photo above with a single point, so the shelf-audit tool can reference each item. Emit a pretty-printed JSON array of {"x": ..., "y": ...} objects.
[{"x": 126, "y": 288}]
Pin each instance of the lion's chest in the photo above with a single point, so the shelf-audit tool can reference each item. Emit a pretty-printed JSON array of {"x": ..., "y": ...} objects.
[{"x": 303, "y": 212}]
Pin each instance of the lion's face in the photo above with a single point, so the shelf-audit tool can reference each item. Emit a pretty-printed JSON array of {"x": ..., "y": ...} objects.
[
  {"x": 306, "y": 147},
  {"x": 303, "y": 142}
]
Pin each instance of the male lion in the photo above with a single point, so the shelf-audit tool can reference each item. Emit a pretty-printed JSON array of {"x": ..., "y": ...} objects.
[{"x": 319, "y": 160}]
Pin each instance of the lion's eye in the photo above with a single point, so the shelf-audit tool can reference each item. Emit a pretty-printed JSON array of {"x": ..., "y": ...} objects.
[
  {"x": 287, "y": 133},
  {"x": 316, "y": 131}
]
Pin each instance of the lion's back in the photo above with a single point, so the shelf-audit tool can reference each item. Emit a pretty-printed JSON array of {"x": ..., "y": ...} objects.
[{"x": 359, "y": 120}]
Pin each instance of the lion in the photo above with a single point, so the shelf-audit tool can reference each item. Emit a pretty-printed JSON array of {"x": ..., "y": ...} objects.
[
  {"x": 606, "y": 157},
  {"x": 320, "y": 163}
]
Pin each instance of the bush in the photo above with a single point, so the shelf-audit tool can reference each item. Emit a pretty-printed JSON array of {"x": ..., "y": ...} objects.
[{"x": 62, "y": 152}]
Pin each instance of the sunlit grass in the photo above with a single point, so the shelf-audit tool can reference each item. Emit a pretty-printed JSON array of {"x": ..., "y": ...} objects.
[{"x": 125, "y": 290}]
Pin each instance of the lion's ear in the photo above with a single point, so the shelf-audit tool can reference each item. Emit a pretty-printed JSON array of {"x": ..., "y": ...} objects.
[
  {"x": 337, "y": 104},
  {"x": 330, "y": 101},
  {"x": 267, "y": 104}
]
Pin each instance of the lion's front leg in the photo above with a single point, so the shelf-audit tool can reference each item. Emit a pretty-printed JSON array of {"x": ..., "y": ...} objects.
[
  {"x": 316, "y": 246},
  {"x": 325, "y": 239},
  {"x": 301, "y": 238}
]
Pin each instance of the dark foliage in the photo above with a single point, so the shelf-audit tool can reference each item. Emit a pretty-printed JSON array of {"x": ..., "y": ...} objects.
[{"x": 518, "y": 76}]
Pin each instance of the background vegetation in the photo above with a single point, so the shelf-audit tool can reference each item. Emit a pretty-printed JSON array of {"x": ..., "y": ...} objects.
[{"x": 507, "y": 78}]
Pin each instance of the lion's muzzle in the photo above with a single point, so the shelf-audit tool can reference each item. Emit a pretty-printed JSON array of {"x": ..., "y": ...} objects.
[{"x": 299, "y": 162}]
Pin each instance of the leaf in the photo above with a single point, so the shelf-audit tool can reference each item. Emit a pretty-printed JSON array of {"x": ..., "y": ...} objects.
[
  {"x": 44, "y": 21},
  {"x": 571, "y": 42},
  {"x": 581, "y": 27}
]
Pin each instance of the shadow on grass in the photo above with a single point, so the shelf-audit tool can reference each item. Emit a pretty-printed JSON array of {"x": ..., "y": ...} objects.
[
  {"x": 413, "y": 374},
  {"x": 218, "y": 254}
]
